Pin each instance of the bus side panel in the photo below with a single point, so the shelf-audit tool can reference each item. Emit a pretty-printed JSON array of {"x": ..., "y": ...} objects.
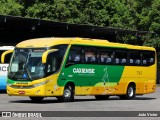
[
  {"x": 109, "y": 77},
  {"x": 92, "y": 79},
  {"x": 52, "y": 89},
  {"x": 130, "y": 76},
  {"x": 147, "y": 79},
  {"x": 143, "y": 76}
]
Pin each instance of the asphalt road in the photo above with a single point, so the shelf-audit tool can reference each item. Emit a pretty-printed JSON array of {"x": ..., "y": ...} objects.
[{"x": 141, "y": 104}]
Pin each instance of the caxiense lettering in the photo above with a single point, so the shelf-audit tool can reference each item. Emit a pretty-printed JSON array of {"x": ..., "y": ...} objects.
[{"x": 83, "y": 70}]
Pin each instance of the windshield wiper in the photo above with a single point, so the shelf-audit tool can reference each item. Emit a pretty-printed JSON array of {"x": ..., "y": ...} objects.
[
  {"x": 21, "y": 72},
  {"x": 28, "y": 73},
  {"x": 17, "y": 73}
]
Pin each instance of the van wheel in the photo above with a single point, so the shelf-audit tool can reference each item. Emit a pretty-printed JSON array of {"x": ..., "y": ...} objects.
[
  {"x": 36, "y": 99},
  {"x": 101, "y": 97},
  {"x": 130, "y": 93},
  {"x": 68, "y": 94}
]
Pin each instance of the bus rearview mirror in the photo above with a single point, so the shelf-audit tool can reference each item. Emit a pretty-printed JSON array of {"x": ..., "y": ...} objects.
[
  {"x": 45, "y": 54},
  {"x": 4, "y": 54}
]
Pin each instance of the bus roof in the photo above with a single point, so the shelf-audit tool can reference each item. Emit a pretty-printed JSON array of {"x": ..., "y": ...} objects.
[
  {"x": 43, "y": 42},
  {"x": 49, "y": 42}
]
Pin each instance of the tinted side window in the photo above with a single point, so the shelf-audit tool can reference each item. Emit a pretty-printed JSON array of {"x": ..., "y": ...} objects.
[
  {"x": 106, "y": 56},
  {"x": 90, "y": 55},
  {"x": 148, "y": 58},
  {"x": 75, "y": 55},
  {"x": 54, "y": 61},
  {"x": 120, "y": 57},
  {"x": 135, "y": 58}
]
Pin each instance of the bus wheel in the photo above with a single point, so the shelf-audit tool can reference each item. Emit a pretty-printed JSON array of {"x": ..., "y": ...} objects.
[
  {"x": 68, "y": 94},
  {"x": 130, "y": 93},
  {"x": 36, "y": 99},
  {"x": 101, "y": 97}
]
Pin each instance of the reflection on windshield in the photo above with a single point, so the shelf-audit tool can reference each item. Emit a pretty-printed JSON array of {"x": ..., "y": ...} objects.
[
  {"x": 26, "y": 65},
  {"x": 19, "y": 61}
]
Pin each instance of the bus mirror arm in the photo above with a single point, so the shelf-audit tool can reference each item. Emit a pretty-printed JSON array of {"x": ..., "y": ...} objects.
[
  {"x": 4, "y": 54},
  {"x": 45, "y": 54}
]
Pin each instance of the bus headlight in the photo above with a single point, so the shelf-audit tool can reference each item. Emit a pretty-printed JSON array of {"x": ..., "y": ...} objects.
[
  {"x": 8, "y": 84},
  {"x": 41, "y": 83}
]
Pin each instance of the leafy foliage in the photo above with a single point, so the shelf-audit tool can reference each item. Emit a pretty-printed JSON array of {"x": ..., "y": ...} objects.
[
  {"x": 127, "y": 14},
  {"x": 10, "y": 7}
]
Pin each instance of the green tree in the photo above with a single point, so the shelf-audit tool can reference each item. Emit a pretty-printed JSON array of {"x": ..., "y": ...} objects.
[
  {"x": 152, "y": 40},
  {"x": 112, "y": 13},
  {"x": 127, "y": 14},
  {"x": 10, "y": 7},
  {"x": 57, "y": 10},
  {"x": 25, "y": 4},
  {"x": 119, "y": 14},
  {"x": 155, "y": 17},
  {"x": 145, "y": 14}
]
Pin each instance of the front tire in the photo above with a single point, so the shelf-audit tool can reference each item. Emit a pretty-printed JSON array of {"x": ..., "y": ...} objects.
[
  {"x": 68, "y": 94},
  {"x": 130, "y": 94},
  {"x": 36, "y": 99}
]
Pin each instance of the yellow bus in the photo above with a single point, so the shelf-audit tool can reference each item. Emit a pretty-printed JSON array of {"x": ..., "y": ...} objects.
[{"x": 66, "y": 67}]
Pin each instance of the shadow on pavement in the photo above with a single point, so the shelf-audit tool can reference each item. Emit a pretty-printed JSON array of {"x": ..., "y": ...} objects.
[{"x": 45, "y": 101}]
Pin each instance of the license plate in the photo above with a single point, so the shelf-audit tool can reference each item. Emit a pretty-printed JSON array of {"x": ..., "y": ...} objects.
[{"x": 21, "y": 92}]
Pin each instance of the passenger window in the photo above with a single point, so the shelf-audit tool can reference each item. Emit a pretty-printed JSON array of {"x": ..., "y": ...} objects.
[
  {"x": 135, "y": 58},
  {"x": 54, "y": 61},
  {"x": 75, "y": 55},
  {"x": 120, "y": 57},
  {"x": 106, "y": 56},
  {"x": 90, "y": 55},
  {"x": 147, "y": 58}
]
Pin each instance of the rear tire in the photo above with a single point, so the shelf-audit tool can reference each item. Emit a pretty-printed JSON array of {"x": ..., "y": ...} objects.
[
  {"x": 101, "y": 97},
  {"x": 130, "y": 94},
  {"x": 68, "y": 94},
  {"x": 36, "y": 99}
]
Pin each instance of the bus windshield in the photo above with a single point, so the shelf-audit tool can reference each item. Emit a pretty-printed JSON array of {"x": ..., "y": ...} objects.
[{"x": 26, "y": 64}]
